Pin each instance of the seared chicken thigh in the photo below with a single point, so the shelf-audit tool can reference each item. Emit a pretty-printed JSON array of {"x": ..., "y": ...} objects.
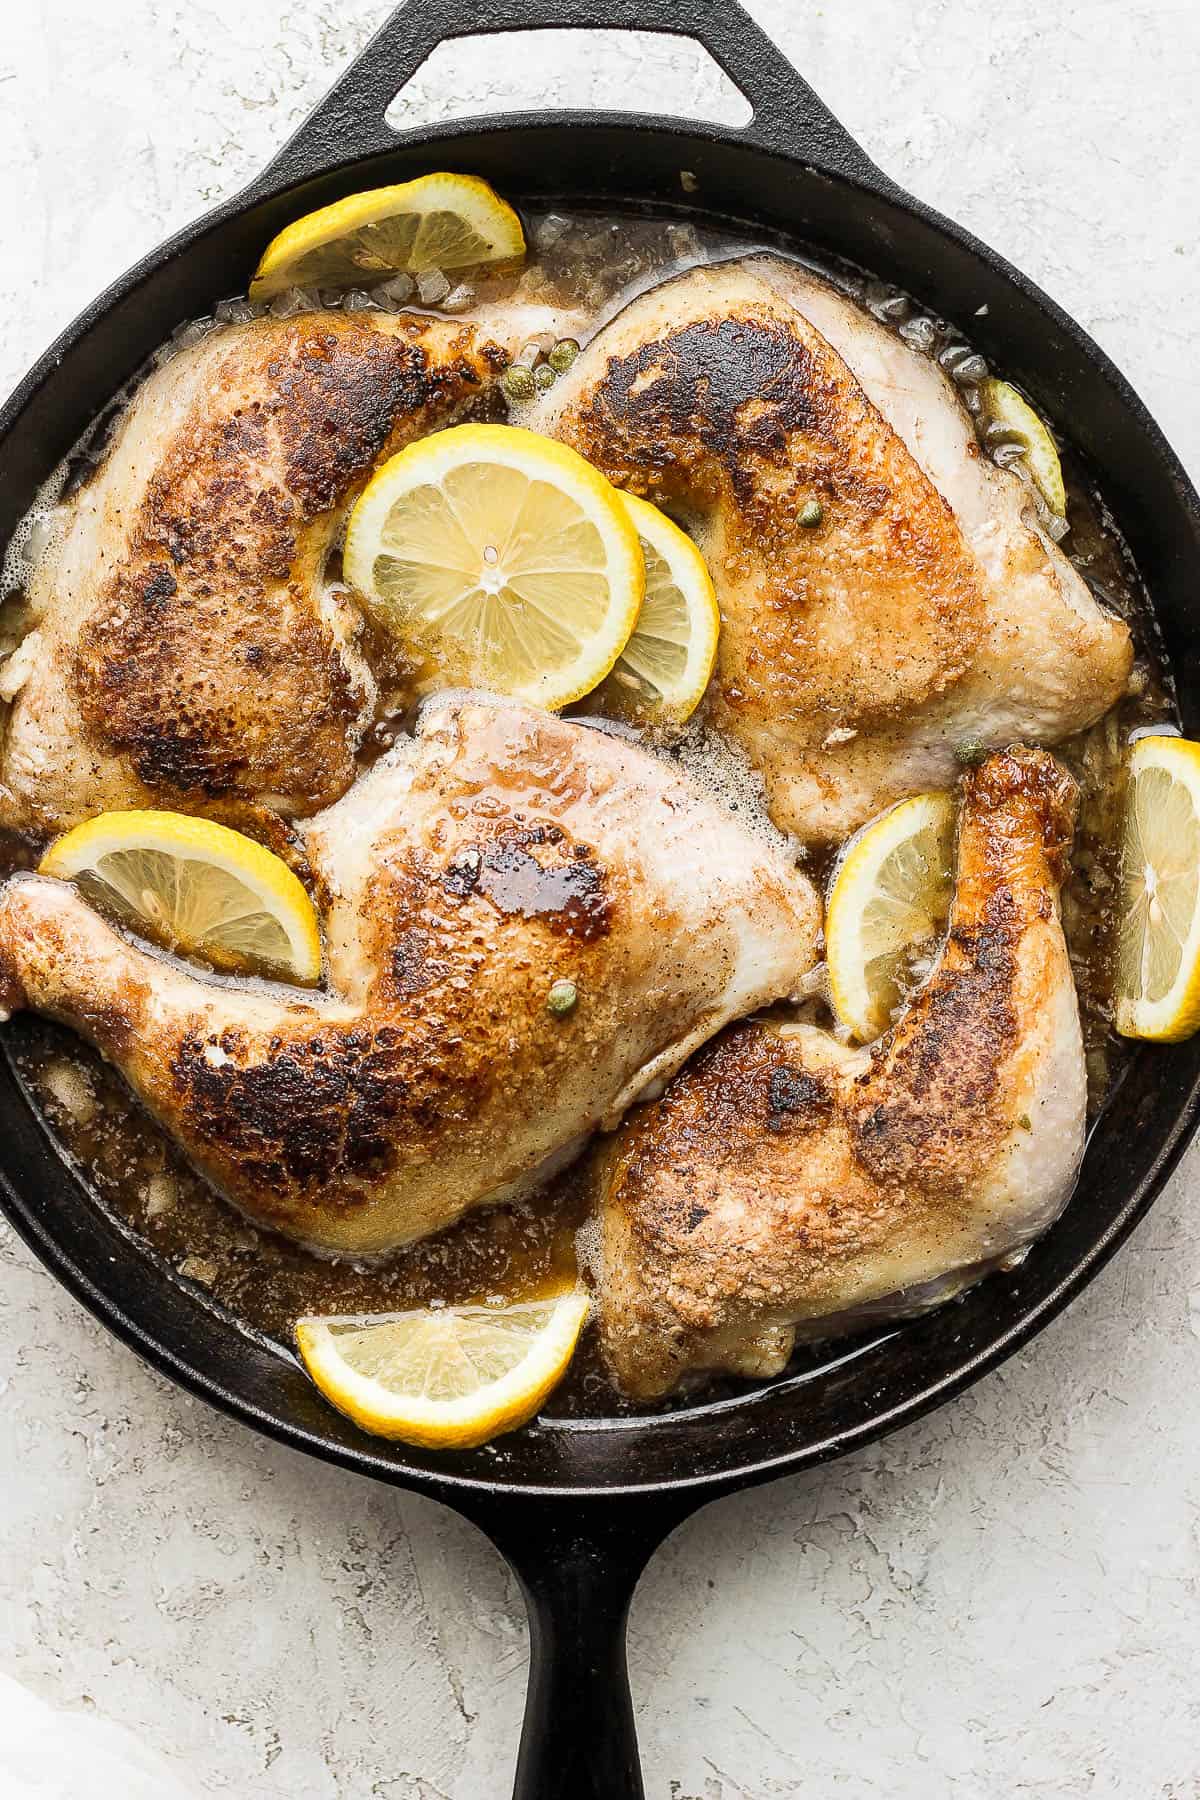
[
  {"x": 1050, "y": 662},
  {"x": 186, "y": 648},
  {"x": 784, "y": 1181},
  {"x": 885, "y": 592},
  {"x": 500, "y": 851}
]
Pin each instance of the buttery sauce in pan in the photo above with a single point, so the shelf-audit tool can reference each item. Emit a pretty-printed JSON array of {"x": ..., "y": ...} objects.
[{"x": 592, "y": 263}]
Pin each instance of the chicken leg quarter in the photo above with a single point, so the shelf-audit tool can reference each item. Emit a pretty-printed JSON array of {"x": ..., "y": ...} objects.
[
  {"x": 885, "y": 592},
  {"x": 500, "y": 851},
  {"x": 784, "y": 1181},
  {"x": 185, "y": 648}
]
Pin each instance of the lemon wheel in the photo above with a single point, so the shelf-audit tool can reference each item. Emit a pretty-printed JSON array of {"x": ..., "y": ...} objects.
[
  {"x": 502, "y": 559},
  {"x": 1157, "y": 990},
  {"x": 891, "y": 894},
  {"x": 446, "y": 1377},
  {"x": 665, "y": 667},
  {"x": 196, "y": 887},
  {"x": 435, "y": 222},
  {"x": 1004, "y": 406}
]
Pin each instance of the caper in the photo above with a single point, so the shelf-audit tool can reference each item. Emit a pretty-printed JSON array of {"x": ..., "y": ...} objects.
[
  {"x": 544, "y": 377},
  {"x": 563, "y": 355},
  {"x": 518, "y": 384},
  {"x": 811, "y": 514},
  {"x": 970, "y": 753},
  {"x": 561, "y": 998}
]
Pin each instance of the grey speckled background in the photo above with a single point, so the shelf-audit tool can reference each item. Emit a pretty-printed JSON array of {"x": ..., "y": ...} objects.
[{"x": 1003, "y": 1601}]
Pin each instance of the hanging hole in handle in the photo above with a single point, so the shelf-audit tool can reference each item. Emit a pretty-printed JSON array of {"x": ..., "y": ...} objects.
[{"x": 537, "y": 71}]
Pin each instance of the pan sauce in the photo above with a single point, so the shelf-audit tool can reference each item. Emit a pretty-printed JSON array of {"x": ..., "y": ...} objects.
[{"x": 593, "y": 263}]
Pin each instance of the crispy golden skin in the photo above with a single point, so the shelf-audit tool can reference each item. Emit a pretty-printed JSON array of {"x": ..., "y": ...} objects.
[
  {"x": 784, "y": 1180},
  {"x": 500, "y": 851},
  {"x": 713, "y": 394}
]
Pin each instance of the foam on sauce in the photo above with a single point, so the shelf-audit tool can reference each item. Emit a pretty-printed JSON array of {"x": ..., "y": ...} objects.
[{"x": 588, "y": 266}]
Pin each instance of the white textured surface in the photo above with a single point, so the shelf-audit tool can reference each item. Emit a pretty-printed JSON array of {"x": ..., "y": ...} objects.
[{"x": 1003, "y": 1601}]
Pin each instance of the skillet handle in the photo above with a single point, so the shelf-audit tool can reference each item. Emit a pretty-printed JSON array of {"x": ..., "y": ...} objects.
[
  {"x": 578, "y": 1564},
  {"x": 349, "y": 122}
]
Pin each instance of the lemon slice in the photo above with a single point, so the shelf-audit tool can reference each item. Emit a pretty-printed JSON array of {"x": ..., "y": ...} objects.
[
  {"x": 436, "y": 222},
  {"x": 1002, "y": 405},
  {"x": 891, "y": 894},
  {"x": 446, "y": 1377},
  {"x": 664, "y": 668},
  {"x": 195, "y": 887},
  {"x": 1158, "y": 921},
  {"x": 501, "y": 557}
]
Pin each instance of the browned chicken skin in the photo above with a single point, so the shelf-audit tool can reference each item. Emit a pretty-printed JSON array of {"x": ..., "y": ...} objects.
[
  {"x": 712, "y": 393},
  {"x": 784, "y": 1180}
]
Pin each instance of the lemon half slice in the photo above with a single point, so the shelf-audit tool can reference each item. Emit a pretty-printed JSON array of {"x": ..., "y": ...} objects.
[
  {"x": 436, "y": 222},
  {"x": 891, "y": 894},
  {"x": 1002, "y": 405},
  {"x": 195, "y": 887},
  {"x": 446, "y": 1377},
  {"x": 1158, "y": 930},
  {"x": 665, "y": 667},
  {"x": 502, "y": 558}
]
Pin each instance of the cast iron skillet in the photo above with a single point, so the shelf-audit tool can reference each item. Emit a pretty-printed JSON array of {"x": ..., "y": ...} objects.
[{"x": 577, "y": 1507}]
